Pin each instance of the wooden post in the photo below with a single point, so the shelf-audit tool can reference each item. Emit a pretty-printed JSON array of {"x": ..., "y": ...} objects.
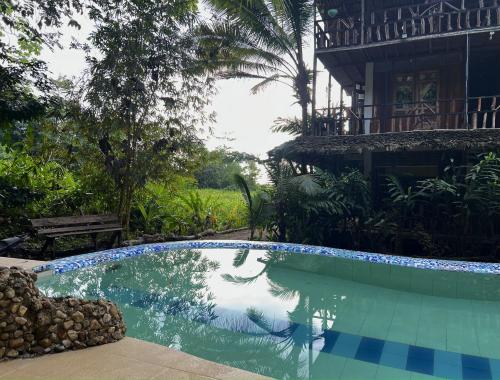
[
  {"x": 329, "y": 95},
  {"x": 315, "y": 63},
  {"x": 466, "y": 105},
  {"x": 341, "y": 132},
  {"x": 494, "y": 112},
  {"x": 476, "y": 113},
  {"x": 485, "y": 118},
  {"x": 362, "y": 22}
]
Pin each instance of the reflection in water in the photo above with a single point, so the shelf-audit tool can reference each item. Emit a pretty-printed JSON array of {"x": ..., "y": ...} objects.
[{"x": 252, "y": 310}]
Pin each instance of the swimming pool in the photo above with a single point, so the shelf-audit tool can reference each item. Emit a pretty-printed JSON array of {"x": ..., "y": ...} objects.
[{"x": 300, "y": 316}]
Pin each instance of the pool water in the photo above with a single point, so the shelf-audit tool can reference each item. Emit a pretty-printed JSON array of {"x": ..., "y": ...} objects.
[{"x": 293, "y": 316}]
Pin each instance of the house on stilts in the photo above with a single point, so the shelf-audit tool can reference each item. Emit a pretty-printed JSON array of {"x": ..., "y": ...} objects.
[{"x": 423, "y": 79}]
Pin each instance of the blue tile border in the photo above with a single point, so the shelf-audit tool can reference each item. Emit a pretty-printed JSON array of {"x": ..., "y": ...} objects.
[{"x": 95, "y": 258}]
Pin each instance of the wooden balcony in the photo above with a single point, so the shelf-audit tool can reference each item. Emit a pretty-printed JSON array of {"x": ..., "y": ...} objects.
[
  {"x": 434, "y": 18},
  {"x": 452, "y": 114}
]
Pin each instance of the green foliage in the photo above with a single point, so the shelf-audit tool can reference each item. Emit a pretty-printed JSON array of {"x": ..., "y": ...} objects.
[
  {"x": 220, "y": 165},
  {"x": 31, "y": 188},
  {"x": 261, "y": 40},
  {"x": 179, "y": 208},
  {"x": 257, "y": 204},
  {"x": 143, "y": 92}
]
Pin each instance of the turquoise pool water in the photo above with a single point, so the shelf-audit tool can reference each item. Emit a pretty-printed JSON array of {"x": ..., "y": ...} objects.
[{"x": 294, "y": 316}]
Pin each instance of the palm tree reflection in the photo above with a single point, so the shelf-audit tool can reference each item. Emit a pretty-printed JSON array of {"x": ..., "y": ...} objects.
[
  {"x": 166, "y": 299},
  {"x": 297, "y": 338}
]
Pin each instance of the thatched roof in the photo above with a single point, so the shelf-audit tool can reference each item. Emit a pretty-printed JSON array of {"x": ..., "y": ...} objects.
[{"x": 433, "y": 140}]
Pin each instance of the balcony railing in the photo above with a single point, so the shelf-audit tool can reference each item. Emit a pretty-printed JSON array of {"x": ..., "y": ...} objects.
[
  {"x": 478, "y": 112},
  {"x": 435, "y": 17}
]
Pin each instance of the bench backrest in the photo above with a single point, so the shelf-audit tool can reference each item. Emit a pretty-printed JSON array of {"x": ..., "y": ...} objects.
[{"x": 74, "y": 221}]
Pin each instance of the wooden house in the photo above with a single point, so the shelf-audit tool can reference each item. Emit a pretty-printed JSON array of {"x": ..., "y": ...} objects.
[{"x": 423, "y": 77}]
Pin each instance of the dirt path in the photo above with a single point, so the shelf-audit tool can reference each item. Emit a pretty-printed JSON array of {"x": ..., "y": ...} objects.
[{"x": 238, "y": 235}]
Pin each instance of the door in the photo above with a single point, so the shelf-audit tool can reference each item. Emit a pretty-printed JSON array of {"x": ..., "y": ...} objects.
[{"x": 415, "y": 101}]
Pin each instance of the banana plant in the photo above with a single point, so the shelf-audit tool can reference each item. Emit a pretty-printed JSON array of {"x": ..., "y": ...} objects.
[{"x": 257, "y": 204}]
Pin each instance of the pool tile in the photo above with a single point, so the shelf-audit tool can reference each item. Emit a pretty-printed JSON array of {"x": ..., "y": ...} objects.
[
  {"x": 346, "y": 345},
  {"x": 330, "y": 338},
  {"x": 448, "y": 364},
  {"x": 396, "y": 348},
  {"x": 357, "y": 370},
  {"x": 370, "y": 350},
  {"x": 495, "y": 368},
  {"x": 393, "y": 361},
  {"x": 420, "y": 360}
]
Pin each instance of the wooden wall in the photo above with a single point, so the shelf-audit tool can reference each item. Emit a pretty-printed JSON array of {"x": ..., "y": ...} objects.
[{"x": 449, "y": 107}]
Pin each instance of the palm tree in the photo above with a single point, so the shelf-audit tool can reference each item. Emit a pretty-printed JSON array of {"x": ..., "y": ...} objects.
[{"x": 260, "y": 39}]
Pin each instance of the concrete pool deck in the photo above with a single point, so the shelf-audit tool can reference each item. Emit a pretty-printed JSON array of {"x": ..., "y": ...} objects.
[{"x": 127, "y": 359}]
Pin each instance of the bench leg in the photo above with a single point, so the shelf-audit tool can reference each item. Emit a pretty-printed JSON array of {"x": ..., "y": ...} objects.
[
  {"x": 49, "y": 244},
  {"x": 116, "y": 237},
  {"x": 94, "y": 240}
]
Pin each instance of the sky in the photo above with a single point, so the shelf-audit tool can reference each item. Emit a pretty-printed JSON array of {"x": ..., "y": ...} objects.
[{"x": 243, "y": 120}]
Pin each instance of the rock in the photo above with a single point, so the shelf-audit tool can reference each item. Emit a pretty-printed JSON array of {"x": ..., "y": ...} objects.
[
  {"x": 79, "y": 345},
  {"x": 32, "y": 324},
  {"x": 21, "y": 320},
  {"x": 72, "y": 334},
  {"x": 12, "y": 354},
  {"x": 14, "y": 308},
  {"x": 45, "y": 343},
  {"x": 22, "y": 310},
  {"x": 72, "y": 302},
  {"x": 38, "y": 350},
  {"x": 78, "y": 316},
  {"x": 68, "y": 324},
  {"x": 9, "y": 293},
  {"x": 16, "y": 343},
  {"x": 37, "y": 305},
  {"x": 10, "y": 327},
  {"x": 43, "y": 319},
  {"x": 59, "y": 348},
  {"x": 95, "y": 325},
  {"x": 60, "y": 314}
]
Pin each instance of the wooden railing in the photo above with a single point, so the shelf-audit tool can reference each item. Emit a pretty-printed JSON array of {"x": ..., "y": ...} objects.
[
  {"x": 397, "y": 23},
  {"x": 482, "y": 112}
]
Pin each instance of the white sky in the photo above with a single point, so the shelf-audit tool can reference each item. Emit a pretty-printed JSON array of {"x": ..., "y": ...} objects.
[{"x": 243, "y": 120}]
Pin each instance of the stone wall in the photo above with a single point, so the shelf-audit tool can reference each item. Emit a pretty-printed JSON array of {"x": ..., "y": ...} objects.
[{"x": 32, "y": 324}]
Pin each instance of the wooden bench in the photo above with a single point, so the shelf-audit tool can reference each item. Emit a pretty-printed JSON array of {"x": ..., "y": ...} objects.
[{"x": 52, "y": 228}]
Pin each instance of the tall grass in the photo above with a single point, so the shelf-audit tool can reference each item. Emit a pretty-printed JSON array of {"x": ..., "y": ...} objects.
[{"x": 186, "y": 209}]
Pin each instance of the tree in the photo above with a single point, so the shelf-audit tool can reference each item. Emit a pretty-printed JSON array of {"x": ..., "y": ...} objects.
[
  {"x": 145, "y": 94},
  {"x": 219, "y": 166},
  {"x": 262, "y": 40},
  {"x": 25, "y": 28}
]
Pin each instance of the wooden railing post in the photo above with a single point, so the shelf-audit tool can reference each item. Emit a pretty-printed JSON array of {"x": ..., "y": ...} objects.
[
  {"x": 475, "y": 114},
  {"x": 494, "y": 112}
]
